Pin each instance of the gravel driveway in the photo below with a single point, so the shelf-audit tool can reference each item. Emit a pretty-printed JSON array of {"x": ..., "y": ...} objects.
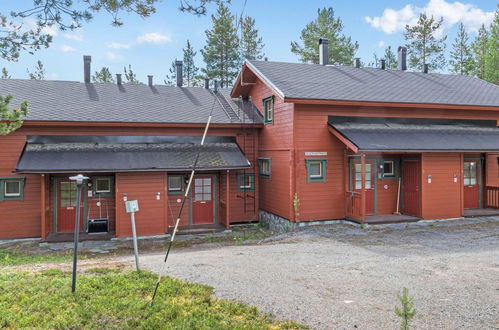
[{"x": 345, "y": 277}]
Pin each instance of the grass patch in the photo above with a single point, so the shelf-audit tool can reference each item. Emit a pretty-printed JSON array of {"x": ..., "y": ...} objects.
[
  {"x": 15, "y": 257},
  {"x": 111, "y": 299}
]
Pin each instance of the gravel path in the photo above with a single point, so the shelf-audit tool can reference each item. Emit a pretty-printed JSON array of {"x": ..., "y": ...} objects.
[{"x": 344, "y": 277}]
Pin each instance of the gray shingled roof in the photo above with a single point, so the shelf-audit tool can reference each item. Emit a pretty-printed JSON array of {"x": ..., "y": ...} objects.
[
  {"x": 411, "y": 134},
  {"x": 314, "y": 81},
  {"x": 64, "y": 154},
  {"x": 104, "y": 102}
]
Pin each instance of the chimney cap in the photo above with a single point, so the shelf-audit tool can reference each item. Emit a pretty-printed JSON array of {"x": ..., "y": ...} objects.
[
  {"x": 118, "y": 78},
  {"x": 87, "y": 57},
  {"x": 149, "y": 78},
  {"x": 357, "y": 62},
  {"x": 383, "y": 64},
  {"x": 425, "y": 68},
  {"x": 323, "y": 41}
]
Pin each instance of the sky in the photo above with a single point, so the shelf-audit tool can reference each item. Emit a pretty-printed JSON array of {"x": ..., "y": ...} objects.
[{"x": 151, "y": 44}]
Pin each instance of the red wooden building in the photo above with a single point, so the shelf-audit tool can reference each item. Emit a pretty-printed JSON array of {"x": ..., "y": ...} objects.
[
  {"x": 369, "y": 143},
  {"x": 135, "y": 142}
]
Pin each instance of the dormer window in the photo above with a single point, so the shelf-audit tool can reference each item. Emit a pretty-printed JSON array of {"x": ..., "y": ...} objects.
[{"x": 268, "y": 110}]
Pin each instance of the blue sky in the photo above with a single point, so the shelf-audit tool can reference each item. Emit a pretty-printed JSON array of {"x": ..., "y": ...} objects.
[{"x": 151, "y": 44}]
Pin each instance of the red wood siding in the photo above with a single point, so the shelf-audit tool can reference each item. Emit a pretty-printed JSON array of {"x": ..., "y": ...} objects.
[
  {"x": 387, "y": 198},
  {"x": 276, "y": 142},
  {"x": 492, "y": 170},
  {"x": 108, "y": 207},
  {"x": 442, "y": 198},
  {"x": 142, "y": 186}
]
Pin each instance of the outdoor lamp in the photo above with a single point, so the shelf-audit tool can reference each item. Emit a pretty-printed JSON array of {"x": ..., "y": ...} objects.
[{"x": 79, "y": 182}]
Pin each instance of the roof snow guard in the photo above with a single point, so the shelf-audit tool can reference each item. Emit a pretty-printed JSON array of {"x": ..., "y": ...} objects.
[
  {"x": 69, "y": 154},
  {"x": 415, "y": 135}
]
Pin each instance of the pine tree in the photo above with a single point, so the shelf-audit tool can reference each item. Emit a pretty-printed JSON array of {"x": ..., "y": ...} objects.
[
  {"x": 341, "y": 47},
  {"x": 479, "y": 46},
  {"x": 423, "y": 45},
  {"x": 407, "y": 312},
  {"x": 130, "y": 76},
  {"x": 5, "y": 73},
  {"x": 492, "y": 55},
  {"x": 103, "y": 76},
  {"x": 190, "y": 69},
  {"x": 221, "y": 52},
  {"x": 171, "y": 77},
  {"x": 461, "y": 58},
  {"x": 39, "y": 73},
  {"x": 390, "y": 58},
  {"x": 11, "y": 119},
  {"x": 251, "y": 43}
]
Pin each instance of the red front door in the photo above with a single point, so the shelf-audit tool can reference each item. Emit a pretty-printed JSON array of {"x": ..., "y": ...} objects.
[
  {"x": 471, "y": 184},
  {"x": 410, "y": 185},
  {"x": 357, "y": 183},
  {"x": 202, "y": 203},
  {"x": 66, "y": 206}
]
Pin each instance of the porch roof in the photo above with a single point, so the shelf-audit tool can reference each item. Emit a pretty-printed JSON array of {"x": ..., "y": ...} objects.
[
  {"x": 376, "y": 134},
  {"x": 65, "y": 154}
]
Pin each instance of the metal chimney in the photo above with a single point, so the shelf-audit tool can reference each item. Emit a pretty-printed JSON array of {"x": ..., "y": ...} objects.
[
  {"x": 402, "y": 58},
  {"x": 207, "y": 83},
  {"x": 86, "y": 68},
  {"x": 118, "y": 78},
  {"x": 425, "y": 68},
  {"x": 323, "y": 51},
  {"x": 149, "y": 78},
  {"x": 180, "y": 78},
  {"x": 383, "y": 64},
  {"x": 357, "y": 62},
  {"x": 215, "y": 86}
]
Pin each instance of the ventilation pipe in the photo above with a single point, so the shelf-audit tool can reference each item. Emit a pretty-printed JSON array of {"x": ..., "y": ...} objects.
[
  {"x": 383, "y": 64},
  {"x": 402, "y": 58},
  {"x": 215, "y": 86},
  {"x": 118, "y": 78},
  {"x": 323, "y": 51},
  {"x": 425, "y": 68},
  {"x": 179, "y": 73},
  {"x": 207, "y": 83},
  {"x": 357, "y": 62},
  {"x": 86, "y": 68},
  {"x": 149, "y": 78}
]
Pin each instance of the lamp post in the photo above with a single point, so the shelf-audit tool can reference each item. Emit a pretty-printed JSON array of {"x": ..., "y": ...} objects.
[{"x": 79, "y": 183}]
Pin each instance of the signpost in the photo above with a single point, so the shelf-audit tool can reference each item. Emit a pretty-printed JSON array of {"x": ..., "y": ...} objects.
[
  {"x": 79, "y": 182},
  {"x": 132, "y": 207}
]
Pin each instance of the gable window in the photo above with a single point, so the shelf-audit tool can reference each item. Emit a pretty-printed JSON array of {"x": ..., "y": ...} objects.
[
  {"x": 11, "y": 189},
  {"x": 316, "y": 170},
  {"x": 246, "y": 181},
  {"x": 388, "y": 168},
  {"x": 175, "y": 184},
  {"x": 103, "y": 186},
  {"x": 268, "y": 110},
  {"x": 264, "y": 167}
]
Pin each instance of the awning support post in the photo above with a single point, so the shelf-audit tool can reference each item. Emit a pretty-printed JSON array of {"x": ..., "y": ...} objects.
[
  {"x": 227, "y": 201},
  {"x": 363, "y": 191}
]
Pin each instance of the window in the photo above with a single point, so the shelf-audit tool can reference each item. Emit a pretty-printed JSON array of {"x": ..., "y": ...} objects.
[
  {"x": 202, "y": 189},
  {"x": 388, "y": 168},
  {"x": 316, "y": 170},
  {"x": 358, "y": 176},
  {"x": 264, "y": 167},
  {"x": 470, "y": 177},
  {"x": 246, "y": 181},
  {"x": 11, "y": 189},
  {"x": 103, "y": 186},
  {"x": 268, "y": 110},
  {"x": 175, "y": 184}
]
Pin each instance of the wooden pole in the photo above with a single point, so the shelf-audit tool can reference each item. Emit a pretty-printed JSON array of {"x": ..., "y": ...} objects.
[{"x": 363, "y": 191}]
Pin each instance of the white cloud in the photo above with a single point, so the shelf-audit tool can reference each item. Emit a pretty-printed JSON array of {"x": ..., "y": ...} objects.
[
  {"x": 76, "y": 36},
  {"x": 117, "y": 45},
  {"x": 67, "y": 48},
  {"x": 394, "y": 21},
  {"x": 154, "y": 38},
  {"x": 113, "y": 56},
  {"x": 381, "y": 43},
  {"x": 53, "y": 76}
]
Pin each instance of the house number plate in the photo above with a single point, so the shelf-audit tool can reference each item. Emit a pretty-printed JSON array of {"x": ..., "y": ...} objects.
[{"x": 314, "y": 153}]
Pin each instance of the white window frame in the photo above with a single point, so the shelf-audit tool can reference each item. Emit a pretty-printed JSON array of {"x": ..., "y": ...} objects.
[
  {"x": 392, "y": 174},
  {"x": 97, "y": 191},
  {"x": 321, "y": 170},
  {"x": 6, "y": 194},
  {"x": 175, "y": 189}
]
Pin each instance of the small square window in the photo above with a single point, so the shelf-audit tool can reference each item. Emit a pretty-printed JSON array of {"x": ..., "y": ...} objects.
[
  {"x": 388, "y": 168},
  {"x": 175, "y": 183},
  {"x": 102, "y": 185},
  {"x": 268, "y": 110},
  {"x": 12, "y": 188},
  {"x": 316, "y": 170},
  {"x": 264, "y": 167},
  {"x": 246, "y": 181}
]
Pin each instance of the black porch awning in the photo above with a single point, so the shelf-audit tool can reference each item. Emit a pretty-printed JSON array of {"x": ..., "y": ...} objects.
[
  {"x": 68, "y": 154},
  {"x": 374, "y": 134}
]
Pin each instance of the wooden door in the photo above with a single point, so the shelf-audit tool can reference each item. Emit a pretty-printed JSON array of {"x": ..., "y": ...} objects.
[
  {"x": 357, "y": 183},
  {"x": 66, "y": 206},
  {"x": 202, "y": 203},
  {"x": 410, "y": 185},
  {"x": 471, "y": 184}
]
